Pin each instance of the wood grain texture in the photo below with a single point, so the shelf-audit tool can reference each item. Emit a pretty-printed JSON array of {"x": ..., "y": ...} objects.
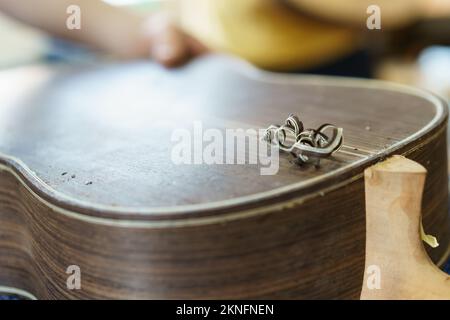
[
  {"x": 146, "y": 228},
  {"x": 394, "y": 246}
]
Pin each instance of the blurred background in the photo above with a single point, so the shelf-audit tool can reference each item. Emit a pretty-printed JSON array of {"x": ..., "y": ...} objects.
[{"x": 418, "y": 54}]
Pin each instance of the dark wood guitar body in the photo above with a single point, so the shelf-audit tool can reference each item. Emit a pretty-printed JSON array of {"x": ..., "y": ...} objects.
[{"x": 86, "y": 179}]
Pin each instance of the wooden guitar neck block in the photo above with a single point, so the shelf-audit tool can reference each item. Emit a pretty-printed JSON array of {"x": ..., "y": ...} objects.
[{"x": 397, "y": 265}]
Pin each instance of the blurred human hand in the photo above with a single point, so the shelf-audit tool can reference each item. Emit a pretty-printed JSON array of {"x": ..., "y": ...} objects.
[{"x": 167, "y": 44}]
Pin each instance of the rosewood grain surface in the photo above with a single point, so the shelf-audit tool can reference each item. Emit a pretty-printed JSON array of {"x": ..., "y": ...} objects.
[{"x": 146, "y": 228}]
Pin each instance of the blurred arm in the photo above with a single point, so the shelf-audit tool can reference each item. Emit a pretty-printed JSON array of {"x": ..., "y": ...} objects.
[
  {"x": 108, "y": 28},
  {"x": 103, "y": 26}
]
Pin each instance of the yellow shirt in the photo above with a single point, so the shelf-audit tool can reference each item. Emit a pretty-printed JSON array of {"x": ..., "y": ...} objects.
[{"x": 265, "y": 32}]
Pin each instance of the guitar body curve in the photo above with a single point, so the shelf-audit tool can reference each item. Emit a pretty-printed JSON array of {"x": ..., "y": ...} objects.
[{"x": 87, "y": 180}]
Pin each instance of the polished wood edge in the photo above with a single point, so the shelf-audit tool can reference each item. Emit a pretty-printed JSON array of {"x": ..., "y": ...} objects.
[
  {"x": 97, "y": 216},
  {"x": 17, "y": 292}
]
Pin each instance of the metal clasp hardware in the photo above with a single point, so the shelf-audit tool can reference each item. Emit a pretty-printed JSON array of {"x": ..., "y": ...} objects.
[{"x": 306, "y": 145}]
